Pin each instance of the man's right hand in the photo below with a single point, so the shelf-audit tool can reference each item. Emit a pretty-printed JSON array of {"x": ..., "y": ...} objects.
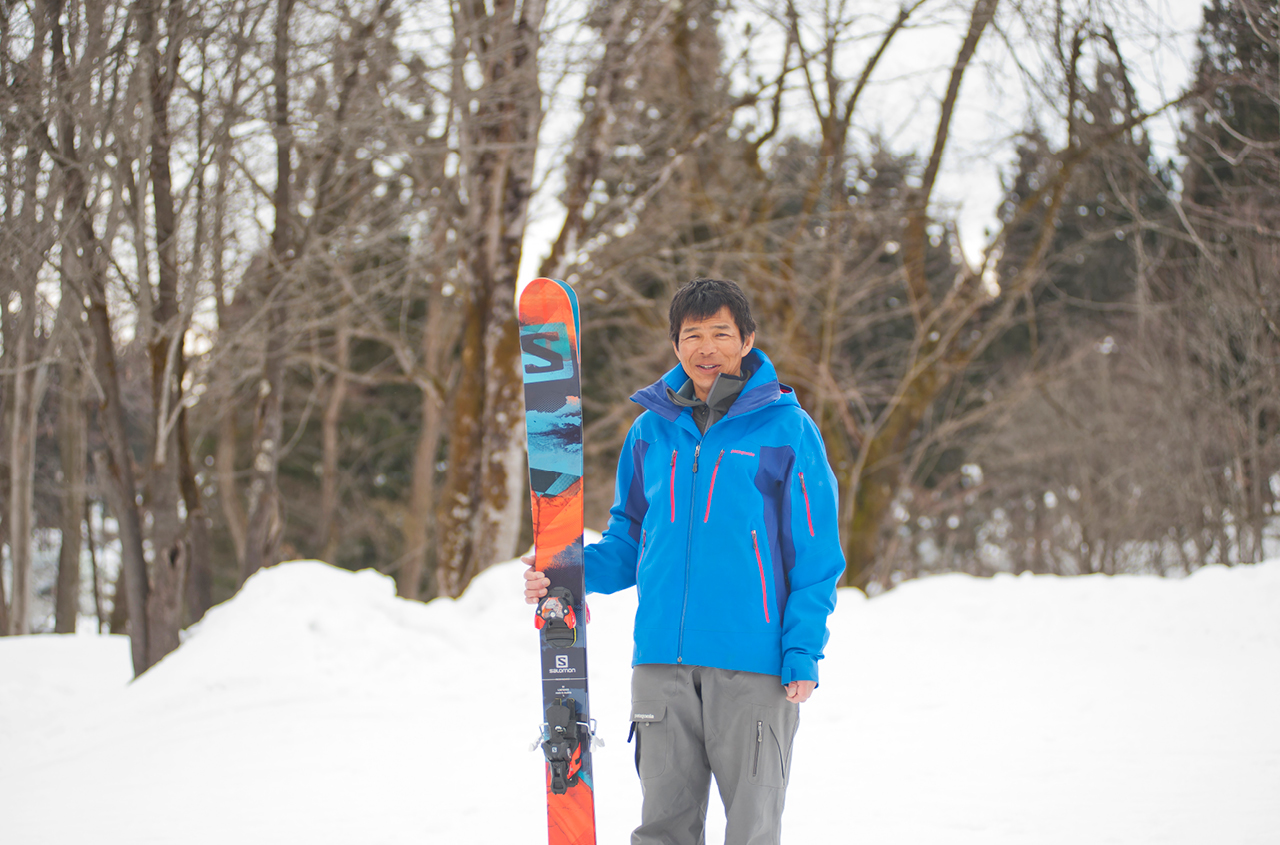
[{"x": 535, "y": 583}]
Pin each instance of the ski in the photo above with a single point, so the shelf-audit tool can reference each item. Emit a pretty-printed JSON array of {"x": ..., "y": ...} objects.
[{"x": 548, "y": 315}]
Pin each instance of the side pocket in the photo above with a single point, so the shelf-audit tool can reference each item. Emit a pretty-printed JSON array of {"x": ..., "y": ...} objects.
[
  {"x": 653, "y": 741},
  {"x": 790, "y": 745},
  {"x": 771, "y": 736},
  {"x": 764, "y": 587}
]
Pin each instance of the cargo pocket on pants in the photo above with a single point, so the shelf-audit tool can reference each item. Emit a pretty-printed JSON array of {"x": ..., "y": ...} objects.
[
  {"x": 653, "y": 740},
  {"x": 771, "y": 735}
]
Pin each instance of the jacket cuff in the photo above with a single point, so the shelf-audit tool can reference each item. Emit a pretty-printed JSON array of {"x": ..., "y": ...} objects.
[{"x": 798, "y": 667}]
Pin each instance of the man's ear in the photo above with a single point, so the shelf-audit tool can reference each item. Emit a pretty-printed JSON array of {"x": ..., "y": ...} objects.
[{"x": 749, "y": 343}]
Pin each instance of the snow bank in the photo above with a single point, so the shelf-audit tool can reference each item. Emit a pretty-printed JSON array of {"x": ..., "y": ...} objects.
[{"x": 317, "y": 707}]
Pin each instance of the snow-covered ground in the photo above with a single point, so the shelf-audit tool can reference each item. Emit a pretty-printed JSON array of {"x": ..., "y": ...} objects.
[{"x": 316, "y": 708}]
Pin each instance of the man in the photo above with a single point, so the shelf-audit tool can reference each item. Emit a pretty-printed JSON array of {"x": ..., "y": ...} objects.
[{"x": 724, "y": 520}]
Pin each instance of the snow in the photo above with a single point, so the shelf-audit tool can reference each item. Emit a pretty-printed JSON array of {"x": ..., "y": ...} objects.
[{"x": 317, "y": 707}]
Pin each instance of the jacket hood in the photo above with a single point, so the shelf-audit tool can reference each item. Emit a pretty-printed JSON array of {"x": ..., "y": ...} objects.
[{"x": 762, "y": 389}]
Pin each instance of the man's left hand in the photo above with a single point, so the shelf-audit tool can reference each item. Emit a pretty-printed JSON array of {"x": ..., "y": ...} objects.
[{"x": 799, "y": 691}]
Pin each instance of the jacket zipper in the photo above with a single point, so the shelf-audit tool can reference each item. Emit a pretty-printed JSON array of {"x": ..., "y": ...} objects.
[
  {"x": 688, "y": 547},
  {"x": 755, "y": 763},
  {"x": 807, "y": 512},
  {"x": 673, "y": 484},
  {"x": 764, "y": 591},
  {"x": 712, "y": 491}
]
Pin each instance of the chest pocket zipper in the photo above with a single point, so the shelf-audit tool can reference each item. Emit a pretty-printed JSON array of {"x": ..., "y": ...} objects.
[
  {"x": 807, "y": 512},
  {"x": 712, "y": 491},
  {"x": 673, "y": 484}
]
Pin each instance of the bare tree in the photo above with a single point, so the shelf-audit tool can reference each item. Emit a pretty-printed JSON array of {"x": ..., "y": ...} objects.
[
  {"x": 498, "y": 126},
  {"x": 24, "y": 242},
  {"x": 73, "y": 451},
  {"x": 262, "y": 535}
]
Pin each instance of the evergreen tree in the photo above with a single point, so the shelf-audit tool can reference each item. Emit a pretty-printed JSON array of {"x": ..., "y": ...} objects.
[{"x": 1219, "y": 274}]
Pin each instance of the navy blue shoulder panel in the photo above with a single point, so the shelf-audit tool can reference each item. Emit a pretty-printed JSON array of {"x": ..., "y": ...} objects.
[{"x": 636, "y": 505}]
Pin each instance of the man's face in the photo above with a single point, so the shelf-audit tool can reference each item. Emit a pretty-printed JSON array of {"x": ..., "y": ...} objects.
[{"x": 710, "y": 347}]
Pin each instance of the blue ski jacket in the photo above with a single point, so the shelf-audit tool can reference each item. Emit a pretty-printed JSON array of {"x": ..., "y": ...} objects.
[{"x": 729, "y": 537}]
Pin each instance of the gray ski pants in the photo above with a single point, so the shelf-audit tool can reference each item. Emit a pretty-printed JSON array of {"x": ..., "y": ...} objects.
[{"x": 692, "y": 722}]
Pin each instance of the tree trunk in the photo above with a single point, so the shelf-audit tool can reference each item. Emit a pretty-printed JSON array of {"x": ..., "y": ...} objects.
[
  {"x": 479, "y": 511},
  {"x": 262, "y": 534},
  {"x": 880, "y": 479},
  {"x": 164, "y": 601},
  {"x": 72, "y": 446},
  {"x": 199, "y": 574},
  {"x": 117, "y": 474},
  {"x": 225, "y": 471},
  {"x": 223, "y": 377},
  {"x": 7, "y": 331},
  {"x": 84, "y": 263},
  {"x": 1257, "y": 481},
  {"x": 29, "y": 384},
  {"x": 21, "y": 357},
  {"x": 93, "y": 566},
  {"x": 165, "y": 345},
  {"x": 881, "y": 459},
  {"x": 118, "y": 620},
  {"x": 4, "y": 604},
  {"x": 263, "y": 531},
  {"x": 416, "y": 571},
  {"x": 330, "y": 442},
  {"x": 418, "y": 522}
]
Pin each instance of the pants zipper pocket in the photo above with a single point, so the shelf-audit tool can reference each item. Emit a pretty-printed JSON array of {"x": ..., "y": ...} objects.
[{"x": 755, "y": 763}]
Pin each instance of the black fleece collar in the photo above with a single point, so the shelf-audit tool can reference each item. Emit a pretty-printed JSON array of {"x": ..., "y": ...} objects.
[{"x": 720, "y": 398}]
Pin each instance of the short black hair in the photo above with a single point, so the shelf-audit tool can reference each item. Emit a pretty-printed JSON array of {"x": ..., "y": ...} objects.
[{"x": 703, "y": 298}]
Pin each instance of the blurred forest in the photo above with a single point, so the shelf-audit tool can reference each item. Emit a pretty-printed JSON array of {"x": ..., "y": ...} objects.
[{"x": 258, "y": 261}]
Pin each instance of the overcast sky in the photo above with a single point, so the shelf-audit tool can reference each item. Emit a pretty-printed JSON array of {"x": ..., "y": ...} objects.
[{"x": 901, "y": 106}]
